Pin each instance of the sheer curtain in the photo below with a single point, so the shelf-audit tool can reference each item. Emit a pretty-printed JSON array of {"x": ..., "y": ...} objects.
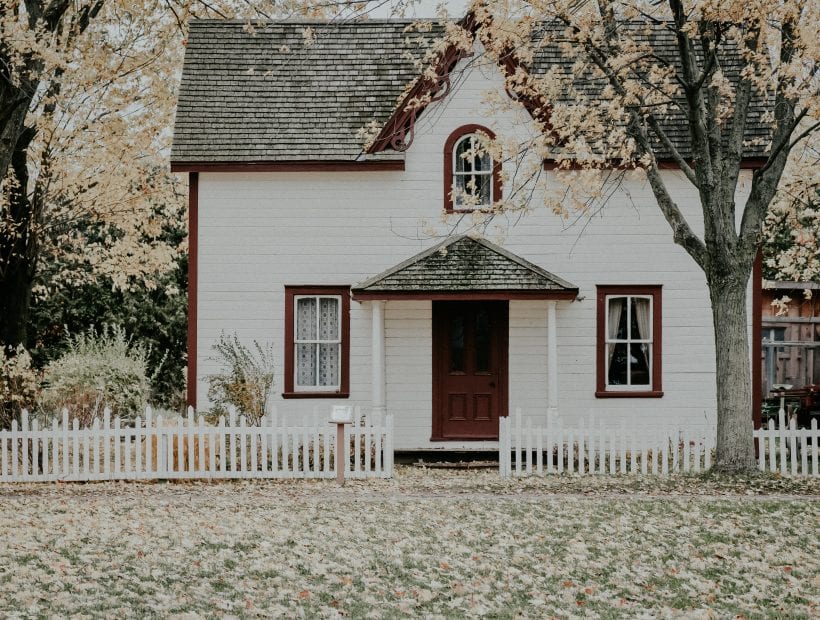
[
  {"x": 318, "y": 351},
  {"x": 616, "y": 308},
  {"x": 329, "y": 353},
  {"x": 642, "y": 308},
  {"x": 643, "y": 315}
]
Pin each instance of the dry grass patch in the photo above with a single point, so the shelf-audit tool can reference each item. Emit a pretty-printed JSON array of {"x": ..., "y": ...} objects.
[{"x": 424, "y": 544}]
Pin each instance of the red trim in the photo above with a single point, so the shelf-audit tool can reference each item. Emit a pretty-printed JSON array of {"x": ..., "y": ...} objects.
[
  {"x": 629, "y": 394},
  {"x": 193, "y": 255},
  {"x": 397, "y": 131},
  {"x": 539, "y": 109},
  {"x": 748, "y": 163},
  {"x": 454, "y": 137},
  {"x": 288, "y": 166},
  {"x": 570, "y": 295},
  {"x": 311, "y": 289},
  {"x": 757, "y": 344},
  {"x": 657, "y": 336}
]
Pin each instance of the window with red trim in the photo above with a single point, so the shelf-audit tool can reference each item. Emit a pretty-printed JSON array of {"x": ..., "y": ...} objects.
[
  {"x": 317, "y": 341},
  {"x": 472, "y": 179},
  {"x": 629, "y": 341}
]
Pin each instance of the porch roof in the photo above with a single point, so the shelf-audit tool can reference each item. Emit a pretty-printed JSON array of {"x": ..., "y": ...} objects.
[{"x": 463, "y": 267}]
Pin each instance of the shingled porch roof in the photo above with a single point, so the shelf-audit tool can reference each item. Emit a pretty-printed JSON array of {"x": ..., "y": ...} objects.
[{"x": 463, "y": 267}]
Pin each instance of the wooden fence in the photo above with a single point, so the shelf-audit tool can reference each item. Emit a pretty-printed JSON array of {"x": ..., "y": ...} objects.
[
  {"x": 188, "y": 448},
  {"x": 525, "y": 449},
  {"x": 786, "y": 449}
]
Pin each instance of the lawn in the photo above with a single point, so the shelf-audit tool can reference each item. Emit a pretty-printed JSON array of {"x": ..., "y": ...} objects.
[{"x": 427, "y": 543}]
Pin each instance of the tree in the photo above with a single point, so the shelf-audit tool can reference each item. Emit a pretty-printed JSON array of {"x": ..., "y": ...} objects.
[
  {"x": 85, "y": 98},
  {"x": 726, "y": 57},
  {"x": 87, "y": 93},
  {"x": 791, "y": 230}
]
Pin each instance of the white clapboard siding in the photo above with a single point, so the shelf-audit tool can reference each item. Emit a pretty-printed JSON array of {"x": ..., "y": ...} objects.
[
  {"x": 590, "y": 448},
  {"x": 152, "y": 448},
  {"x": 785, "y": 449}
]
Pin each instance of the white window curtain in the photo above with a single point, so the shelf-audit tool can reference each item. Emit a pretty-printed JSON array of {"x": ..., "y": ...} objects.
[
  {"x": 318, "y": 342},
  {"x": 617, "y": 305},
  {"x": 643, "y": 316}
]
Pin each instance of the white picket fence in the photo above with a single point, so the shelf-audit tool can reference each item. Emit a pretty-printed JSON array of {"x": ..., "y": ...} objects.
[
  {"x": 589, "y": 448},
  {"x": 786, "y": 449},
  {"x": 188, "y": 448}
]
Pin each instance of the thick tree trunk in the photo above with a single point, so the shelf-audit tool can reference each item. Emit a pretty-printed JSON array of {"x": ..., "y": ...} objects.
[
  {"x": 735, "y": 445},
  {"x": 18, "y": 245},
  {"x": 15, "y": 303}
]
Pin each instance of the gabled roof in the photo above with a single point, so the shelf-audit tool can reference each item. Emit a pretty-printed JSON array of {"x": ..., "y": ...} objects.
[
  {"x": 270, "y": 94},
  {"x": 464, "y": 265}
]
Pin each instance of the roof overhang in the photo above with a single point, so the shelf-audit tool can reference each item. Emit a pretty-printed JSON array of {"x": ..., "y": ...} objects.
[
  {"x": 464, "y": 268},
  {"x": 289, "y": 166},
  {"x": 569, "y": 295}
]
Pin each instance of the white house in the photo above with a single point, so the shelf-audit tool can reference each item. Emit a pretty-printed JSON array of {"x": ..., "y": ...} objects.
[{"x": 356, "y": 265}]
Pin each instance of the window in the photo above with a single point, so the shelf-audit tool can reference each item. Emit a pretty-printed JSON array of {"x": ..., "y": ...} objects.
[
  {"x": 317, "y": 335},
  {"x": 629, "y": 341},
  {"x": 472, "y": 180}
]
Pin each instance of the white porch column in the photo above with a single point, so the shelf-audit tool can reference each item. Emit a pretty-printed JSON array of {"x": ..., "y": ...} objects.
[
  {"x": 377, "y": 357},
  {"x": 552, "y": 360}
]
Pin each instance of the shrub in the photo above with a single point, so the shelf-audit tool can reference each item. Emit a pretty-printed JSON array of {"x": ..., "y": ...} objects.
[
  {"x": 98, "y": 370},
  {"x": 18, "y": 384},
  {"x": 246, "y": 381}
]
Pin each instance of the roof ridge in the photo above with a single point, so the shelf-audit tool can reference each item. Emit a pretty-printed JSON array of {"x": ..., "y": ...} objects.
[
  {"x": 522, "y": 261},
  {"x": 408, "y": 261}
]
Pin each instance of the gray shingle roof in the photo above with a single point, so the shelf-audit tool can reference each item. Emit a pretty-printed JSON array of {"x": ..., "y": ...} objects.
[
  {"x": 663, "y": 42},
  {"x": 462, "y": 263},
  {"x": 267, "y": 96}
]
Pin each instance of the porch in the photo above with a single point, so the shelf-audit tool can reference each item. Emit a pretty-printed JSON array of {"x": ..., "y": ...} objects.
[{"x": 475, "y": 309}]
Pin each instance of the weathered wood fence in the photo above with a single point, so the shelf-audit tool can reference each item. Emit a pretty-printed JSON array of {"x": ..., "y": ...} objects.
[{"x": 153, "y": 448}]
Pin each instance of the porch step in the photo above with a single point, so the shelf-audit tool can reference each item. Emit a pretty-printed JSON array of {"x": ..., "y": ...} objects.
[{"x": 457, "y": 465}]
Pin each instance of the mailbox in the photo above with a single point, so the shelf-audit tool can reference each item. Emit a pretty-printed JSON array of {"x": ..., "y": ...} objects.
[{"x": 341, "y": 414}]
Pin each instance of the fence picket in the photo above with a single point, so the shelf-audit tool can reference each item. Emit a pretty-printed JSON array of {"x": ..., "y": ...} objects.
[
  {"x": 793, "y": 445},
  {"x": 815, "y": 439}
]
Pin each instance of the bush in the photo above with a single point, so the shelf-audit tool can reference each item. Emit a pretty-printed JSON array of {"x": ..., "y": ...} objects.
[
  {"x": 98, "y": 370},
  {"x": 18, "y": 384},
  {"x": 246, "y": 381}
]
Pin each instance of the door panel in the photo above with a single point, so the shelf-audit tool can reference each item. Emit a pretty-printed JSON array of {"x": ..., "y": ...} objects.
[{"x": 469, "y": 368}]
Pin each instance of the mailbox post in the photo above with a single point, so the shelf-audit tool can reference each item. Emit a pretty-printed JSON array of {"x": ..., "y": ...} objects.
[{"x": 341, "y": 415}]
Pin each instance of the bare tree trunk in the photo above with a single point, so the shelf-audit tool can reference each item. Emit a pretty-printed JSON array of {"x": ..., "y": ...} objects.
[{"x": 735, "y": 445}]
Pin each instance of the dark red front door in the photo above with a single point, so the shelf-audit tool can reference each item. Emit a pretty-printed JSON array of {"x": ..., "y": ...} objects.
[{"x": 469, "y": 368}]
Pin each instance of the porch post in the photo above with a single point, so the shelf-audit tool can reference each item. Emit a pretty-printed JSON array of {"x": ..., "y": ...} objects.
[
  {"x": 377, "y": 355},
  {"x": 552, "y": 361}
]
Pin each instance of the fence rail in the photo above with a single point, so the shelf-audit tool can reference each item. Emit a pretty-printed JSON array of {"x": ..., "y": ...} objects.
[
  {"x": 188, "y": 448},
  {"x": 525, "y": 449}
]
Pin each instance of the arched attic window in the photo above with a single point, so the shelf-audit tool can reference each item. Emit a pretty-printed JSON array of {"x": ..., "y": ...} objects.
[{"x": 472, "y": 179}]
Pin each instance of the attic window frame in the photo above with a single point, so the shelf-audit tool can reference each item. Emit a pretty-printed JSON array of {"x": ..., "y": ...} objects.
[{"x": 449, "y": 168}]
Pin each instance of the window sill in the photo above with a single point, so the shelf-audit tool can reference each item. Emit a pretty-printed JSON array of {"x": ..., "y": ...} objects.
[
  {"x": 461, "y": 211},
  {"x": 628, "y": 394},
  {"x": 315, "y": 395},
  {"x": 464, "y": 438}
]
